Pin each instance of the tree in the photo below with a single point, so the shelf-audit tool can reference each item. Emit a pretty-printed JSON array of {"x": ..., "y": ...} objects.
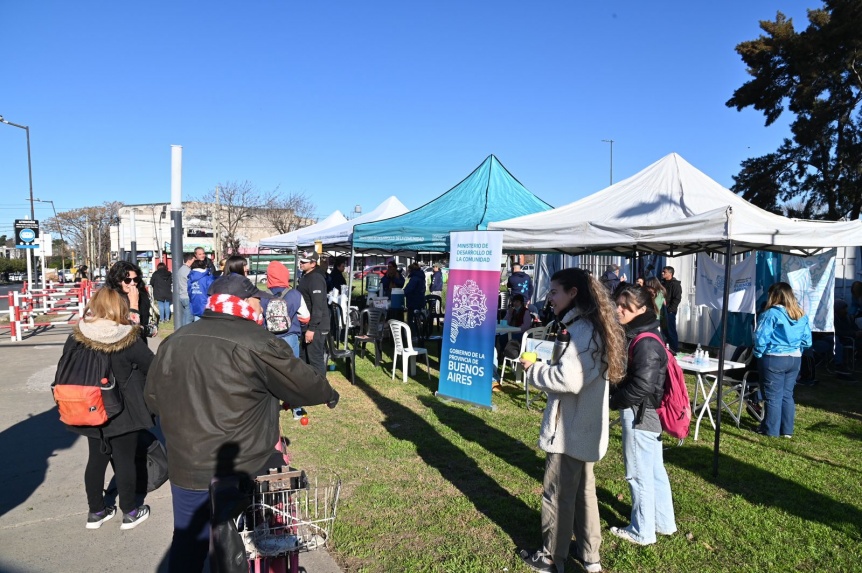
[
  {"x": 88, "y": 231},
  {"x": 289, "y": 213},
  {"x": 235, "y": 204},
  {"x": 816, "y": 75}
]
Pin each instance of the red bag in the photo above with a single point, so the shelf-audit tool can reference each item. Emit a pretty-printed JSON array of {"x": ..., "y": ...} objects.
[
  {"x": 675, "y": 409},
  {"x": 84, "y": 388}
]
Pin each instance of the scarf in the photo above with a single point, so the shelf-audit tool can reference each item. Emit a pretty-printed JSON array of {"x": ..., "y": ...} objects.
[{"x": 233, "y": 305}]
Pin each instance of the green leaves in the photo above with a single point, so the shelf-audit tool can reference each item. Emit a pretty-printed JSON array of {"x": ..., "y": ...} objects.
[{"x": 816, "y": 75}]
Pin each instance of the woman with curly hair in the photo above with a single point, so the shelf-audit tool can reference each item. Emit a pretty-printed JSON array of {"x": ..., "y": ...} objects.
[
  {"x": 589, "y": 354},
  {"x": 125, "y": 278}
]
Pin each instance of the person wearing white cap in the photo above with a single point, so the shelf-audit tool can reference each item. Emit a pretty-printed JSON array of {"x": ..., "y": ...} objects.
[{"x": 312, "y": 286}]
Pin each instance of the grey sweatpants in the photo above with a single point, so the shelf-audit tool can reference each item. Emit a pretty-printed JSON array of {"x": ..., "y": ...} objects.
[{"x": 569, "y": 497}]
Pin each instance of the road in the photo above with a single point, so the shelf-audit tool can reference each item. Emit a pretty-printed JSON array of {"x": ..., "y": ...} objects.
[{"x": 4, "y": 291}]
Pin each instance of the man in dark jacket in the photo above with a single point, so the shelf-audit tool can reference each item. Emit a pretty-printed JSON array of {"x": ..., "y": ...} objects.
[
  {"x": 520, "y": 283},
  {"x": 312, "y": 286},
  {"x": 162, "y": 283},
  {"x": 216, "y": 385},
  {"x": 671, "y": 304},
  {"x": 437, "y": 281},
  {"x": 611, "y": 279}
]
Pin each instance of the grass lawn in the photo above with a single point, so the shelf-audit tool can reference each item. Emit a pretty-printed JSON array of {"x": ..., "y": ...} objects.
[{"x": 432, "y": 485}]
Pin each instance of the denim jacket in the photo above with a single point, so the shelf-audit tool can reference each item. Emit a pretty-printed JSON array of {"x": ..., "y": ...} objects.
[{"x": 779, "y": 334}]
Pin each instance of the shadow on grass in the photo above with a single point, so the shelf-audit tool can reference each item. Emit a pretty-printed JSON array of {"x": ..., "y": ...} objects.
[
  {"x": 519, "y": 521},
  {"x": 762, "y": 487}
]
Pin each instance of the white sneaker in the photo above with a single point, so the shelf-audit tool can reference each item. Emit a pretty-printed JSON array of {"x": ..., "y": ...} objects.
[{"x": 624, "y": 534}]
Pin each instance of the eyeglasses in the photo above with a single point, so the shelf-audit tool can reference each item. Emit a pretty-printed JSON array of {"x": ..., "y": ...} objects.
[{"x": 128, "y": 280}]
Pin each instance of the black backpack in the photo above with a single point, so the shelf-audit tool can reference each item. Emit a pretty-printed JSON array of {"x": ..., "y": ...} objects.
[{"x": 85, "y": 390}]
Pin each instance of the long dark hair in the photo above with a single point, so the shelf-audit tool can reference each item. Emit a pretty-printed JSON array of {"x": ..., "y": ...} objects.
[{"x": 595, "y": 305}]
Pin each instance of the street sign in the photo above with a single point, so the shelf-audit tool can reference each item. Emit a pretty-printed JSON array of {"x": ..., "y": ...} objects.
[{"x": 26, "y": 233}]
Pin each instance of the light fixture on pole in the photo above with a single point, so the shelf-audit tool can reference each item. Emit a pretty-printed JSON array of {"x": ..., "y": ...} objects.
[
  {"x": 32, "y": 210},
  {"x": 611, "y": 141},
  {"x": 62, "y": 240},
  {"x": 357, "y": 211}
]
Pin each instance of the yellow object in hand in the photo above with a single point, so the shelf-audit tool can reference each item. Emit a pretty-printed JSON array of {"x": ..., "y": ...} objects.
[{"x": 529, "y": 356}]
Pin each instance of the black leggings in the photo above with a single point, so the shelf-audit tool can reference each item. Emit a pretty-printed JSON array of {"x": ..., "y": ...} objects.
[{"x": 123, "y": 449}]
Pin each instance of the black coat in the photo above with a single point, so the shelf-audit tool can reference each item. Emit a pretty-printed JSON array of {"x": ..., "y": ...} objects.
[
  {"x": 216, "y": 383},
  {"x": 312, "y": 287},
  {"x": 674, "y": 294},
  {"x": 647, "y": 367},
  {"x": 130, "y": 362},
  {"x": 162, "y": 283}
]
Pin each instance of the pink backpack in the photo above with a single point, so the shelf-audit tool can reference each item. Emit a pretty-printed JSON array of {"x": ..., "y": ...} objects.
[{"x": 675, "y": 409}]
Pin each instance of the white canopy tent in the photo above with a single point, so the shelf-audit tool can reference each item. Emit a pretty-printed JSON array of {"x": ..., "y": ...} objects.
[
  {"x": 341, "y": 236},
  {"x": 288, "y": 240},
  {"x": 672, "y": 208}
]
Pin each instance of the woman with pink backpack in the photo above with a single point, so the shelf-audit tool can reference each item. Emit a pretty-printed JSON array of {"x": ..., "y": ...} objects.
[{"x": 637, "y": 397}]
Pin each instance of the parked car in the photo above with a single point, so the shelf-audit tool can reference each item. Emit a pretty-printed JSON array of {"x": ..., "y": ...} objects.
[
  {"x": 379, "y": 269},
  {"x": 528, "y": 268}
]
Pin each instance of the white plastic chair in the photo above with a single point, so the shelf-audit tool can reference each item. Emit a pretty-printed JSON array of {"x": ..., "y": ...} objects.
[
  {"x": 538, "y": 333},
  {"x": 404, "y": 348}
]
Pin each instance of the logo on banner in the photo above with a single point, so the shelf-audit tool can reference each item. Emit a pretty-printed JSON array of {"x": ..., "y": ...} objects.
[{"x": 469, "y": 308}]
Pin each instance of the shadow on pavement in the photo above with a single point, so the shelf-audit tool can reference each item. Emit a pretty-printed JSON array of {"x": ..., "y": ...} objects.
[{"x": 25, "y": 449}]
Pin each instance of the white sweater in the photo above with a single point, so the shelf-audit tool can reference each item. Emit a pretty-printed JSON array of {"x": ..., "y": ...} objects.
[{"x": 575, "y": 421}]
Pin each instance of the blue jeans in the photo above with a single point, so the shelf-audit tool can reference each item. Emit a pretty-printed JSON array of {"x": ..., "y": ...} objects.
[
  {"x": 292, "y": 340},
  {"x": 185, "y": 312},
  {"x": 165, "y": 309},
  {"x": 191, "y": 541},
  {"x": 777, "y": 379},
  {"x": 652, "y": 501}
]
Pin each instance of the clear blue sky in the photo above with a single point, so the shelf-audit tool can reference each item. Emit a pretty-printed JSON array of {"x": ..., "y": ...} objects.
[{"x": 351, "y": 102}]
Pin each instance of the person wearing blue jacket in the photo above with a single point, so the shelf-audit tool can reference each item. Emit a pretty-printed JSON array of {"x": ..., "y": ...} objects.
[
  {"x": 782, "y": 332},
  {"x": 200, "y": 279}
]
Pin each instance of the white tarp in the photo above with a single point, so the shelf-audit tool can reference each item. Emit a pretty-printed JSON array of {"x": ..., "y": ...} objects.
[
  {"x": 673, "y": 208},
  {"x": 340, "y": 236},
  {"x": 288, "y": 240}
]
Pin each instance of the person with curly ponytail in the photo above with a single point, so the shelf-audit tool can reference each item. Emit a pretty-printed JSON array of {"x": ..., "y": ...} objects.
[
  {"x": 125, "y": 278},
  {"x": 574, "y": 431}
]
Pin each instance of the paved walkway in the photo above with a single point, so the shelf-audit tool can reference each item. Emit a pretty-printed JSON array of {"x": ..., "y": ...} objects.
[{"x": 43, "y": 507}]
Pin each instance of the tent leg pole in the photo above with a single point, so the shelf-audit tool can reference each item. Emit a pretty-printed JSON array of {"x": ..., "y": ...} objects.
[
  {"x": 349, "y": 296},
  {"x": 720, "y": 382}
]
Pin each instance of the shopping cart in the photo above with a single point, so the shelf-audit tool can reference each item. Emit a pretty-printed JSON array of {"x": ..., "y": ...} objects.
[{"x": 289, "y": 513}]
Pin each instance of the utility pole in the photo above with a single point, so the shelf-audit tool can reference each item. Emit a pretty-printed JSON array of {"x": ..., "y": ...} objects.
[
  {"x": 611, "y": 141},
  {"x": 217, "y": 226}
]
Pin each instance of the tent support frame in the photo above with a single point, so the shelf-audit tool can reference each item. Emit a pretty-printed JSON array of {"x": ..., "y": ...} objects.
[{"x": 721, "y": 358}]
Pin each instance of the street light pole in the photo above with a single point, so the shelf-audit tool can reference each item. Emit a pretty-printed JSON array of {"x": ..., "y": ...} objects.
[
  {"x": 611, "y": 141},
  {"x": 32, "y": 209},
  {"x": 62, "y": 240}
]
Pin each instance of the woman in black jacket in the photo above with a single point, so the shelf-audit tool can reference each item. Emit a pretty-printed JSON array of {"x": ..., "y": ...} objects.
[
  {"x": 637, "y": 397},
  {"x": 105, "y": 328},
  {"x": 125, "y": 278}
]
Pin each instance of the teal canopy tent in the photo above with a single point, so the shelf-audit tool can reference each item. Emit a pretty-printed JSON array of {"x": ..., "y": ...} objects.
[{"x": 489, "y": 193}]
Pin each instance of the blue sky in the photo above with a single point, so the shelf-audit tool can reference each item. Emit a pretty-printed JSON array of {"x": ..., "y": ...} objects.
[{"x": 351, "y": 102}]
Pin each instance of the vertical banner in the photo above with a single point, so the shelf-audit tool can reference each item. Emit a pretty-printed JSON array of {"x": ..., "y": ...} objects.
[{"x": 467, "y": 358}]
